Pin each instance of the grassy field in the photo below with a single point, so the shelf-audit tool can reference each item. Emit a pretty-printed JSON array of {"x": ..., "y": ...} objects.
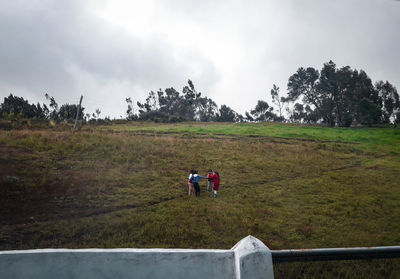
[{"x": 126, "y": 186}]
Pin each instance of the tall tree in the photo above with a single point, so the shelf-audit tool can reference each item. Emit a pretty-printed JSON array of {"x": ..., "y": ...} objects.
[
  {"x": 98, "y": 112},
  {"x": 13, "y": 106},
  {"x": 277, "y": 100},
  {"x": 226, "y": 114},
  {"x": 298, "y": 114},
  {"x": 54, "y": 106},
  {"x": 171, "y": 105},
  {"x": 262, "y": 112},
  {"x": 68, "y": 112},
  {"x": 341, "y": 96},
  {"x": 388, "y": 100},
  {"x": 328, "y": 93},
  {"x": 369, "y": 112},
  {"x": 206, "y": 109},
  {"x": 130, "y": 114},
  {"x": 303, "y": 84}
]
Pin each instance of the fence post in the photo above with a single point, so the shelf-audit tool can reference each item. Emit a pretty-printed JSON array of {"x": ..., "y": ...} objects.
[
  {"x": 77, "y": 113},
  {"x": 253, "y": 259}
]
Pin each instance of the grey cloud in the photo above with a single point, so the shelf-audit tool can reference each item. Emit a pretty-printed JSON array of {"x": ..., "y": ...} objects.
[
  {"x": 63, "y": 48},
  {"x": 46, "y": 44}
]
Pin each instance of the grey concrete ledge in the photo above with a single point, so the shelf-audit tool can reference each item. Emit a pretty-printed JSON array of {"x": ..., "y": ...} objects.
[{"x": 250, "y": 258}]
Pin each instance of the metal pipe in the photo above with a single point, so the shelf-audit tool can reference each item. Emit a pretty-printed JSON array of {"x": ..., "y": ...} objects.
[{"x": 334, "y": 254}]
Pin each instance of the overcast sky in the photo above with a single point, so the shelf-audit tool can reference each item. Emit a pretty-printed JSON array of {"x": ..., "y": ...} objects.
[{"x": 233, "y": 51}]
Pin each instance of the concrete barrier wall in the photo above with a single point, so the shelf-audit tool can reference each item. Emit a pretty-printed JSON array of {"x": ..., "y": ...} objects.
[{"x": 250, "y": 258}]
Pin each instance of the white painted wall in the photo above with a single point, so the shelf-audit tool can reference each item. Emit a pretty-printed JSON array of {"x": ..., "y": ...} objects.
[{"x": 250, "y": 258}]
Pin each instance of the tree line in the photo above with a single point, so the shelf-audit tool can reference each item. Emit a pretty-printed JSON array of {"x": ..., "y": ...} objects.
[
  {"x": 340, "y": 96},
  {"x": 14, "y": 107},
  {"x": 332, "y": 96}
]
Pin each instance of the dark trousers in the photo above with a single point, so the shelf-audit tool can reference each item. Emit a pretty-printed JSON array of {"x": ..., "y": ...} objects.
[{"x": 197, "y": 188}]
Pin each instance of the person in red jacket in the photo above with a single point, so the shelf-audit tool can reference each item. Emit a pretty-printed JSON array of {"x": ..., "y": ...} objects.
[{"x": 215, "y": 177}]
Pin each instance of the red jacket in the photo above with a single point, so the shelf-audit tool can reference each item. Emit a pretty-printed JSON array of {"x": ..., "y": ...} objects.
[{"x": 215, "y": 178}]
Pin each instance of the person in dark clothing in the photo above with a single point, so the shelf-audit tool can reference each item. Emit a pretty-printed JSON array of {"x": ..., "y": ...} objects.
[{"x": 195, "y": 179}]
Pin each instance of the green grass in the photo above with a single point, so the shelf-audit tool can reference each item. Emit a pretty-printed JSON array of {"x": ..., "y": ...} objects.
[
  {"x": 374, "y": 139},
  {"x": 125, "y": 186}
]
